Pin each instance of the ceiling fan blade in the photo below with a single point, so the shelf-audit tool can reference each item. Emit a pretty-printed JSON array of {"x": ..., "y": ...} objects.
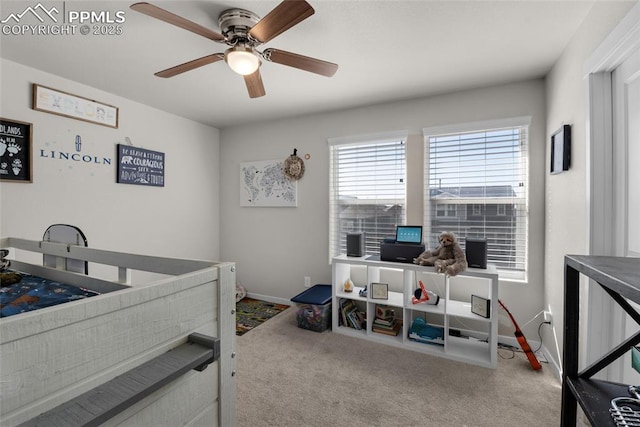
[
  {"x": 172, "y": 18},
  {"x": 188, "y": 66},
  {"x": 254, "y": 84},
  {"x": 306, "y": 63},
  {"x": 284, "y": 16}
]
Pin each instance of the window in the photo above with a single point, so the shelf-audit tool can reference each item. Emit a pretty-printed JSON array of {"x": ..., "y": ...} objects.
[
  {"x": 480, "y": 170},
  {"x": 450, "y": 211},
  {"x": 367, "y": 189}
]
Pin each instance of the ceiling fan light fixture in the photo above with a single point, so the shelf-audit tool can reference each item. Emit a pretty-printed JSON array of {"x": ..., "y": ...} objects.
[{"x": 242, "y": 60}]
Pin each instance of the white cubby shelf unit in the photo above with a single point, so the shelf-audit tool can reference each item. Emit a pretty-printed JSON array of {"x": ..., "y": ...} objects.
[{"x": 476, "y": 344}]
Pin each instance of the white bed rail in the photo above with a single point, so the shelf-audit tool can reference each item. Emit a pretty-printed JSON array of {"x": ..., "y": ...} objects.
[
  {"x": 104, "y": 402},
  {"x": 53, "y": 355},
  {"x": 154, "y": 264}
]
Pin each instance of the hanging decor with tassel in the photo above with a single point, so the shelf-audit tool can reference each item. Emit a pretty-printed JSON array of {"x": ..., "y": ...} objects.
[{"x": 294, "y": 166}]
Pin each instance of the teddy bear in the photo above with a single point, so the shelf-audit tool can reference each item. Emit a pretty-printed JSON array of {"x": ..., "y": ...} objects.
[{"x": 447, "y": 258}]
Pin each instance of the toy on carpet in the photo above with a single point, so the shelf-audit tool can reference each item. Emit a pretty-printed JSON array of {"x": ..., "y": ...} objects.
[
  {"x": 241, "y": 291},
  {"x": 447, "y": 258}
]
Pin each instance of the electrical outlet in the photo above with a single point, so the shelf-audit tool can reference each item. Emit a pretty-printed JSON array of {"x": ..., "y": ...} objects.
[
  {"x": 307, "y": 281},
  {"x": 548, "y": 317}
]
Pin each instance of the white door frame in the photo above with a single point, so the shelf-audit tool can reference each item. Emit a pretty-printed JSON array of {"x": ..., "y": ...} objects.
[{"x": 601, "y": 238}]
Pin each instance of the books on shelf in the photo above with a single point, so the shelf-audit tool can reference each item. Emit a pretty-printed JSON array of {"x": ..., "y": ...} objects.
[
  {"x": 350, "y": 315},
  {"x": 385, "y": 321},
  {"x": 392, "y": 330}
]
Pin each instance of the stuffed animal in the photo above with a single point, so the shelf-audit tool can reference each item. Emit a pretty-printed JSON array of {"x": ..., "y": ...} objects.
[
  {"x": 4, "y": 263},
  {"x": 7, "y": 278},
  {"x": 241, "y": 291},
  {"x": 447, "y": 258}
]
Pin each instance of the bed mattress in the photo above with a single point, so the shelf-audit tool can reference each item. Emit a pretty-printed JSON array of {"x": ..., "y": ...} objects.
[{"x": 33, "y": 293}]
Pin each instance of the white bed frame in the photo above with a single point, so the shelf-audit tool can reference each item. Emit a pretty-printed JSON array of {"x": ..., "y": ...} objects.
[{"x": 51, "y": 356}]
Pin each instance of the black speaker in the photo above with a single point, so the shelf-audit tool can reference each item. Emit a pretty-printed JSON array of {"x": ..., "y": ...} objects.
[
  {"x": 355, "y": 244},
  {"x": 476, "y": 251}
]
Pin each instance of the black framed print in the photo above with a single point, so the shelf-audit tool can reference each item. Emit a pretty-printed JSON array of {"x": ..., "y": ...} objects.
[
  {"x": 15, "y": 150},
  {"x": 140, "y": 166},
  {"x": 561, "y": 150}
]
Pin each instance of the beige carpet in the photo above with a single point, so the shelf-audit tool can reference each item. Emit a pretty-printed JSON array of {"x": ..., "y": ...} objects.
[{"x": 289, "y": 376}]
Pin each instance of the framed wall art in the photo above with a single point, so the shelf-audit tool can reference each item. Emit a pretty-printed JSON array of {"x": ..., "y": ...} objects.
[
  {"x": 561, "y": 150},
  {"x": 76, "y": 107},
  {"x": 140, "y": 166},
  {"x": 15, "y": 150}
]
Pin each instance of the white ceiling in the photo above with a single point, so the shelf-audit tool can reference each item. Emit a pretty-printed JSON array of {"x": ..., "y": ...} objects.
[{"x": 386, "y": 51}]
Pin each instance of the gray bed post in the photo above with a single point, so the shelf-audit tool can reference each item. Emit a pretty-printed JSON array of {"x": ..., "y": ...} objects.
[{"x": 227, "y": 335}]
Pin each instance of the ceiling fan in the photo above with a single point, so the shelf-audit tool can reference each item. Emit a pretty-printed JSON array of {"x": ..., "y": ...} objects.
[{"x": 243, "y": 31}]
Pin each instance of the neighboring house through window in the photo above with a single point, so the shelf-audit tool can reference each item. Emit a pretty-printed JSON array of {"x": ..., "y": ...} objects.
[
  {"x": 480, "y": 171},
  {"x": 367, "y": 189}
]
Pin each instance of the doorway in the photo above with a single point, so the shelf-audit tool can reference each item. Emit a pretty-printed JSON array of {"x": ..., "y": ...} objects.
[{"x": 613, "y": 87}]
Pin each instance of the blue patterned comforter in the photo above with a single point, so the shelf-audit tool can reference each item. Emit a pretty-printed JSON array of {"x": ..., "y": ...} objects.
[{"x": 33, "y": 292}]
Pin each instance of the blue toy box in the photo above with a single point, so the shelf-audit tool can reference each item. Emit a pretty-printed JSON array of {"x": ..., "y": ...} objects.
[{"x": 314, "y": 308}]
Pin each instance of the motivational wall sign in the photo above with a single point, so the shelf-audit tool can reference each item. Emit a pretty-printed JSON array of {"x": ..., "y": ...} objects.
[
  {"x": 15, "y": 150},
  {"x": 140, "y": 166}
]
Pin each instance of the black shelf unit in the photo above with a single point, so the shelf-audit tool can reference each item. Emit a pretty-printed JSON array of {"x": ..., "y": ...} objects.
[{"x": 620, "y": 278}]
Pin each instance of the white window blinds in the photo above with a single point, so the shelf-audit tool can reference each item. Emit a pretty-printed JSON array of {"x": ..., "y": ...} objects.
[
  {"x": 476, "y": 185},
  {"x": 367, "y": 189}
]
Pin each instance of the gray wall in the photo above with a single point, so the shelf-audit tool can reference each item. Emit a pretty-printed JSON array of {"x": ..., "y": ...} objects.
[
  {"x": 566, "y": 201},
  {"x": 180, "y": 219},
  {"x": 276, "y": 247}
]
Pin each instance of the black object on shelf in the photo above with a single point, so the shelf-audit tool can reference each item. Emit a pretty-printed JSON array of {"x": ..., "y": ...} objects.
[{"x": 620, "y": 278}]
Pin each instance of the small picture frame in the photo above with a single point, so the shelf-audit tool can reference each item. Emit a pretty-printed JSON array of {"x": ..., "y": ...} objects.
[
  {"x": 481, "y": 306},
  {"x": 379, "y": 291},
  {"x": 561, "y": 150}
]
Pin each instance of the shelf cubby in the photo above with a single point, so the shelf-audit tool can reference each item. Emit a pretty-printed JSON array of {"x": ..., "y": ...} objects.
[{"x": 448, "y": 311}]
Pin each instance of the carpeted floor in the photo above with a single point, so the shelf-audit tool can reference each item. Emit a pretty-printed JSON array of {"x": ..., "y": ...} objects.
[
  {"x": 252, "y": 312},
  {"x": 289, "y": 377}
]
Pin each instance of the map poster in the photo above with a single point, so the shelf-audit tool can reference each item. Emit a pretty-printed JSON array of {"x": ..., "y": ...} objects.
[{"x": 263, "y": 183}]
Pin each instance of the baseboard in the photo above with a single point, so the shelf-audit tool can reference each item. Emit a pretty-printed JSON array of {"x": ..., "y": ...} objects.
[
  {"x": 269, "y": 298},
  {"x": 556, "y": 369},
  {"x": 543, "y": 355}
]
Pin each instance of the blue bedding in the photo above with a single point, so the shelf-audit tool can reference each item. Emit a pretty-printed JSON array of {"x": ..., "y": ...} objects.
[{"x": 33, "y": 292}]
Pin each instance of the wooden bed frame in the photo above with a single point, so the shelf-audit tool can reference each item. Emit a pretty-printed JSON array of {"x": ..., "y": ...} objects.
[{"x": 51, "y": 356}]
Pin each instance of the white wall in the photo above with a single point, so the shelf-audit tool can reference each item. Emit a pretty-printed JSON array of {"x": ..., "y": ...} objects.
[
  {"x": 566, "y": 199},
  {"x": 274, "y": 248},
  {"x": 180, "y": 219}
]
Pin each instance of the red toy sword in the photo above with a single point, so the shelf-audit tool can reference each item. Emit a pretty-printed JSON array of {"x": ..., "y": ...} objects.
[{"x": 523, "y": 341}]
